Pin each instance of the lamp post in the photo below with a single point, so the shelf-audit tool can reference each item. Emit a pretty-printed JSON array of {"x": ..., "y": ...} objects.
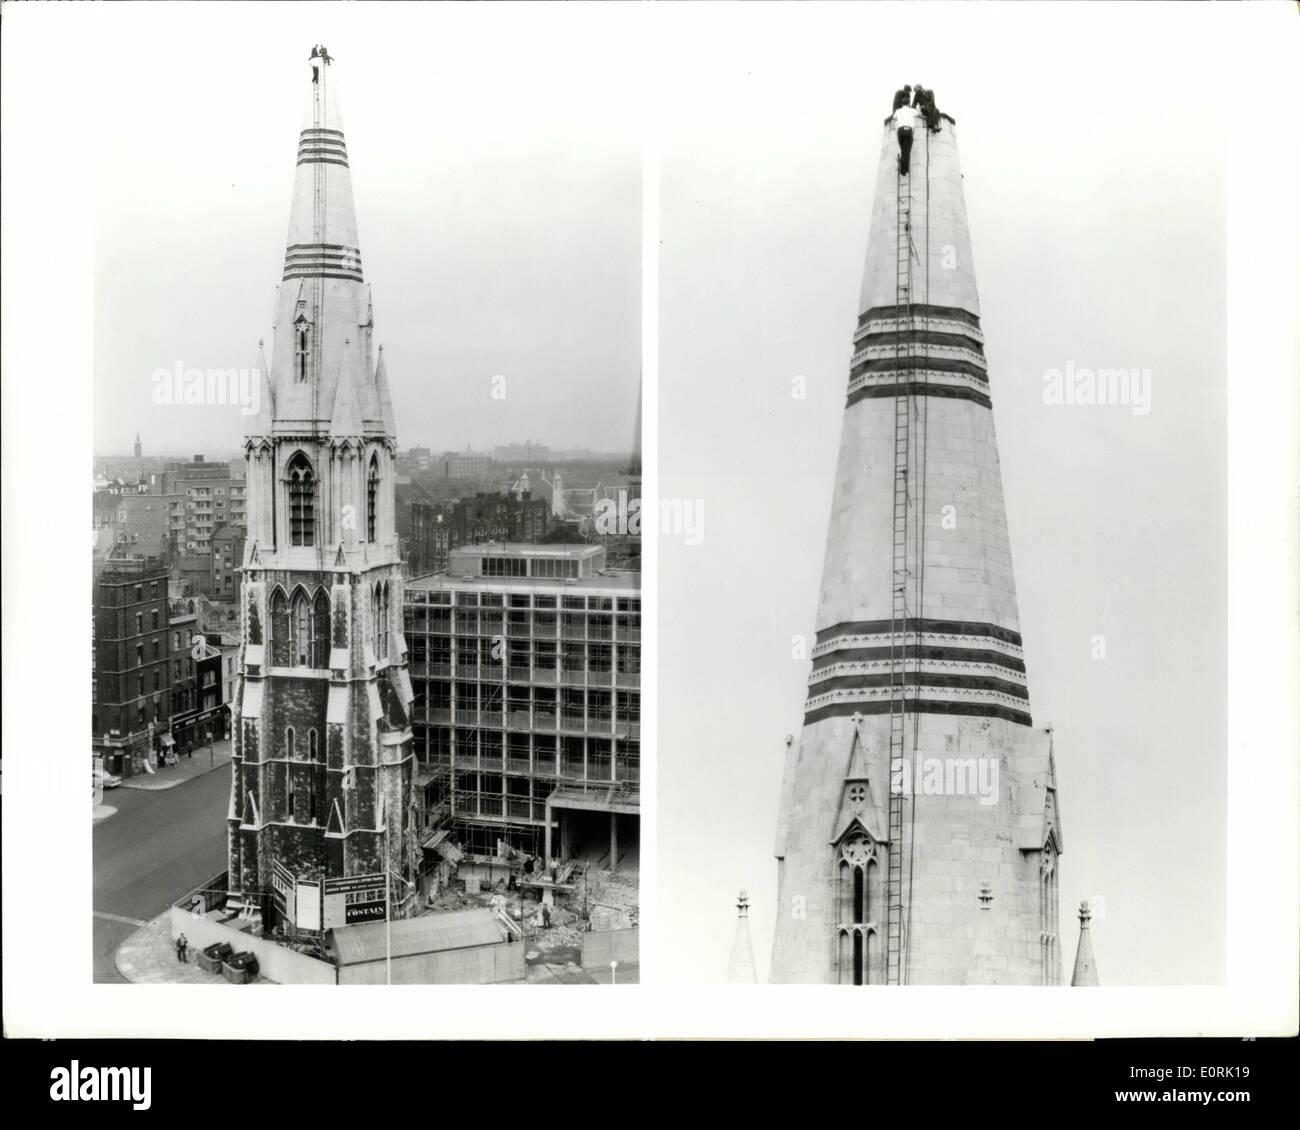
[{"x": 388, "y": 912}]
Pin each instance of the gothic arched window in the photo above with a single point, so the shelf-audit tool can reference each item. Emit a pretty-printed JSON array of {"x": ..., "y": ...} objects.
[
  {"x": 302, "y": 625},
  {"x": 289, "y": 742},
  {"x": 302, "y": 501},
  {"x": 372, "y": 500},
  {"x": 1048, "y": 913},
  {"x": 320, "y": 651},
  {"x": 858, "y": 854},
  {"x": 380, "y": 607},
  {"x": 856, "y": 873},
  {"x": 281, "y": 645},
  {"x": 300, "y": 350}
]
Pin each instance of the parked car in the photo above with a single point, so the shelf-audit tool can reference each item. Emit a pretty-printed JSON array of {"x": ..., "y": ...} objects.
[{"x": 111, "y": 780}]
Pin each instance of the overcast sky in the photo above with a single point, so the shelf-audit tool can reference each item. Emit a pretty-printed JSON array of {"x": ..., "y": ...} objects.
[
  {"x": 496, "y": 167},
  {"x": 1091, "y": 147}
]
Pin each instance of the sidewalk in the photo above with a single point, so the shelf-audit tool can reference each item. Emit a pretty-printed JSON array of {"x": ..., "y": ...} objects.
[
  {"x": 186, "y": 769},
  {"x": 148, "y": 957}
]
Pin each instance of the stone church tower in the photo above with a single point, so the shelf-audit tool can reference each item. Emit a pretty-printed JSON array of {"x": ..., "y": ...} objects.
[
  {"x": 919, "y": 832},
  {"x": 322, "y": 774}
]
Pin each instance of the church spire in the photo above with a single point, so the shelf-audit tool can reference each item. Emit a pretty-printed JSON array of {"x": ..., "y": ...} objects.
[
  {"x": 1085, "y": 965},
  {"x": 260, "y": 424},
  {"x": 384, "y": 396},
  {"x": 741, "y": 969},
  {"x": 345, "y": 419},
  {"x": 323, "y": 300},
  {"x": 917, "y": 673},
  {"x": 322, "y": 574}
]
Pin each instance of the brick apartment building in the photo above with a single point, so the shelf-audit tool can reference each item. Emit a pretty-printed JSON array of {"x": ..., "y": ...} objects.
[
  {"x": 437, "y": 528},
  {"x": 211, "y": 497},
  {"x": 131, "y": 675}
]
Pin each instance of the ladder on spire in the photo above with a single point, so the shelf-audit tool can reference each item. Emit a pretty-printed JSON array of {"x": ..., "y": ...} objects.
[{"x": 898, "y": 613}]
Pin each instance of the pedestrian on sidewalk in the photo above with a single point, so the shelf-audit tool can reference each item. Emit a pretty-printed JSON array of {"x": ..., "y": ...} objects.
[{"x": 182, "y": 944}]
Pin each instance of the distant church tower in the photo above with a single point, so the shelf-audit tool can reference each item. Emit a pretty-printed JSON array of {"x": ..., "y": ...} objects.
[
  {"x": 138, "y": 448},
  {"x": 892, "y": 868},
  {"x": 322, "y": 774}
]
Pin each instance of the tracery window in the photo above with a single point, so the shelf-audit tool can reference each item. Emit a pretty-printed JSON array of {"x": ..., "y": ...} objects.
[
  {"x": 857, "y": 940},
  {"x": 372, "y": 501}
]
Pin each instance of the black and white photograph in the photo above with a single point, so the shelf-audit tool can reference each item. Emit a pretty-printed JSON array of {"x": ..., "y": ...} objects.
[
  {"x": 366, "y": 680},
  {"x": 963, "y": 457},
  {"x": 779, "y": 516}
]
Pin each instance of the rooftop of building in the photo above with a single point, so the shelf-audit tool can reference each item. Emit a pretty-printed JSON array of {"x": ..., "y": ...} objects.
[
  {"x": 430, "y": 933},
  {"x": 493, "y": 564},
  {"x": 123, "y": 567},
  {"x": 611, "y": 580},
  {"x": 569, "y": 551}
]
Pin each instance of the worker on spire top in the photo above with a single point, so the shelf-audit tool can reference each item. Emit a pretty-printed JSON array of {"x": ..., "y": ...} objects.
[{"x": 923, "y": 100}]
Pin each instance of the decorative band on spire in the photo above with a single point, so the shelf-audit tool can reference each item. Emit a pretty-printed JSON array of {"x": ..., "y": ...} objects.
[
  {"x": 940, "y": 347},
  {"x": 846, "y": 707},
  {"x": 323, "y": 260},
  {"x": 322, "y": 146},
  {"x": 953, "y": 667}
]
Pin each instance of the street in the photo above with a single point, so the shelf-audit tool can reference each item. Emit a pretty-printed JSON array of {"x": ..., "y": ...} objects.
[{"x": 155, "y": 848}]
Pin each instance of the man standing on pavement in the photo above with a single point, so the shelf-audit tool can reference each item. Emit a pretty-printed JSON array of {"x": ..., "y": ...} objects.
[{"x": 182, "y": 944}]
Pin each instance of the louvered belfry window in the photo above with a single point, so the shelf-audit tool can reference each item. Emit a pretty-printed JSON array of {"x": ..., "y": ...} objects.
[{"x": 302, "y": 502}]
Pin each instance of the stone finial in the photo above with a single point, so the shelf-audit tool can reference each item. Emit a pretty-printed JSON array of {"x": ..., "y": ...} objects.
[
  {"x": 1085, "y": 965},
  {"x": 985, "y": 968},
  {"x": 741, "y": 969}
]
